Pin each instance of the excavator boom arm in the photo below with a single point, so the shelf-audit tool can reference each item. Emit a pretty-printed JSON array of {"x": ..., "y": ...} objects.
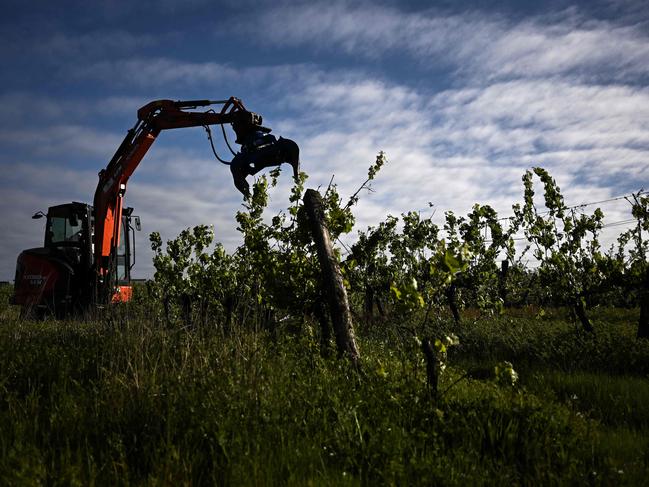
[{"x": 163, "y": 115}]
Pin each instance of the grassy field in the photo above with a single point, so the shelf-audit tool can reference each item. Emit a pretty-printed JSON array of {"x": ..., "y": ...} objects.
[{"x": 124, "y": 400}]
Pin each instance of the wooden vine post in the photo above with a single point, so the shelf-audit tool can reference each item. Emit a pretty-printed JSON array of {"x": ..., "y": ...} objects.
[
  {"x": 332, "y": 278},
  {"x": 643, "y": 323}
]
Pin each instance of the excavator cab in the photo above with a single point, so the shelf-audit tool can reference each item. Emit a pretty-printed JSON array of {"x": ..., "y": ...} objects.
[{"x": 57, "y": 278}]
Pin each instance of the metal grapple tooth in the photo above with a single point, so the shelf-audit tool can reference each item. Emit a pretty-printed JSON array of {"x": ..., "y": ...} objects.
[
  {"x": 290, "y": 153},
  {"x": 239, "y": 176}
]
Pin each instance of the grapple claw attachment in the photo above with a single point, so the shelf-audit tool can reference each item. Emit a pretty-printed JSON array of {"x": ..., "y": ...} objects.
[{"x": 273, "y": 153}]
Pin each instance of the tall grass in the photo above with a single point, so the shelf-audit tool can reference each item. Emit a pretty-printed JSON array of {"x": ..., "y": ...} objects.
[{"x": 126, "y": 400}]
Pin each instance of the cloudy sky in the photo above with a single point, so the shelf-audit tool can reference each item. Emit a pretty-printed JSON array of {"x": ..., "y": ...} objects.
[{"x": 462, "y": 97}]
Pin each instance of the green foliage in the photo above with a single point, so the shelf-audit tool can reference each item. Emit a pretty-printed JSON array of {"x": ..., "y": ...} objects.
[
  {"x": 565, "y": 243},
  {"x": 5, "y": 296},
  {"x": 407, "y": 296},
  {"x": 403, "y": 264},
  {"x": 553, "y": 343},
  {"x": 624, "y": 269},
  {"x": 615, "y": 401},
  {"x": 130, "y": 402},
  {"x": 505, "y": 373},
  {"x": 187, "y": 269},
  {"x": 274, "y": 273}
]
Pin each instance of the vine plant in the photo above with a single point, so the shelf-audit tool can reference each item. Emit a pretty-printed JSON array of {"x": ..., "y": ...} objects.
[
  {"x": 565, "y": 243},
  {"x": 405, "y": 266},
  {"x": 635, "y": 271}
]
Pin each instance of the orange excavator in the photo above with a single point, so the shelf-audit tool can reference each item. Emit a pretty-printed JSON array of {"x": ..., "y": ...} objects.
[{"x": 89, "y": 251}]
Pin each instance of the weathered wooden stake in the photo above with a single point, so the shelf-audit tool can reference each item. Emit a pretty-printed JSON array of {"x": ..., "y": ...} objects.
[
  {"x": 432, "y": 367},
  {"x": 341, "y": 317},
  {"x": 451, "y": 297},
  {"x": 580, "y": 311},
  {"x": 320, "y": 311},
  {"x": 643, "y": 323}
]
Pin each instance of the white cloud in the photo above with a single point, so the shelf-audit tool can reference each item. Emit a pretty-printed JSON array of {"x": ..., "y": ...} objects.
[{"x": 474, "y": 44}]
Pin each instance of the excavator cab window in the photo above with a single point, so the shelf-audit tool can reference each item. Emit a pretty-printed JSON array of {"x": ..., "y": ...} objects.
[
  {"x": 64, "y": 230},
  {"x": 64, "y": 227}
]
